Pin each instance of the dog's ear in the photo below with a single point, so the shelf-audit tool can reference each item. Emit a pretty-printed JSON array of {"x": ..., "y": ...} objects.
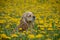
[{"x": 23, "y": 17}]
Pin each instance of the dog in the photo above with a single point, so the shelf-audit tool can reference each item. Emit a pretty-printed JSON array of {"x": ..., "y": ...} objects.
[{"x": 26, "y": 22}]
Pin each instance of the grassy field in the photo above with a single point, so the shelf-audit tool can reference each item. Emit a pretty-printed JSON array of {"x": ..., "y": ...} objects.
[{"x": 47, "y": 23}]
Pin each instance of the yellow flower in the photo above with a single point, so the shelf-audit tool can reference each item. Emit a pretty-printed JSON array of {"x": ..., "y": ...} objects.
[
  {"x": 7, "y": 26},
  {"x": 14, "y": 19},
  {"x": 56, "y": 20},
  {"x": 28, "y": 32},
  {"x": 23, "y": 33},
  {"x": 36, "y": 21},
  {"x": 43, "y": 32},
  {"x": 4, "y": 36},
  {"x": 14, "y": 35},
  {"x": 31, "y": 36},
  {"x": 50, "y": 28},
  {"x": 20, "y": 28},
  {"x": 46, "y": 25},
  {"x": 2, "y": 21},
  {"x": 39, "y": 36},
  {"x": 41, "y": 21},
  {"x": 50, "y": 25},
  {"x": 42, "y": 28}
]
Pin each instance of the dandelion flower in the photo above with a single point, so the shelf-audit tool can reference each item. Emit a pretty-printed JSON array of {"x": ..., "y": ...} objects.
[
  {"x": 39, "y": 36},
  {"x": 14, "y": 35},
  {"x": 20, "y": 28},
  {"x": 50, "y": 28},
  {"x": 31, "y": 36},
  {"x": 5, "y": 36}
]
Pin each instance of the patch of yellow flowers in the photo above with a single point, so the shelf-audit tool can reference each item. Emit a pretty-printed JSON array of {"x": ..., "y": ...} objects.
[
  {"x": 5, "y": 36},
  {"x": 14, "y": 35},
  {"x": 31, "y": 36},
  {"x": 39, "y": 35},
  {"x": 46, "y": 12}
]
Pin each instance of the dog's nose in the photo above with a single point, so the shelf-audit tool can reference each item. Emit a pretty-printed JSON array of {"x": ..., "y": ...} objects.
[{"x": 34, "y": 17}]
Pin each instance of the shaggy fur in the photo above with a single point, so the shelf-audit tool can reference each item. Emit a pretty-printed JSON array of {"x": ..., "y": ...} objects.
[{"x": 26, "y": 22}]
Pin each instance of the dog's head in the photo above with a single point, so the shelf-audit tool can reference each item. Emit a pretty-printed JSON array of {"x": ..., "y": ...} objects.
[{"x": 28, "y": 17}]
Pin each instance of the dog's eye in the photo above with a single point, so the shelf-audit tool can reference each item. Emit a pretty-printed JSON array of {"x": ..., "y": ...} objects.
[{"x": 29, "y": 15}]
